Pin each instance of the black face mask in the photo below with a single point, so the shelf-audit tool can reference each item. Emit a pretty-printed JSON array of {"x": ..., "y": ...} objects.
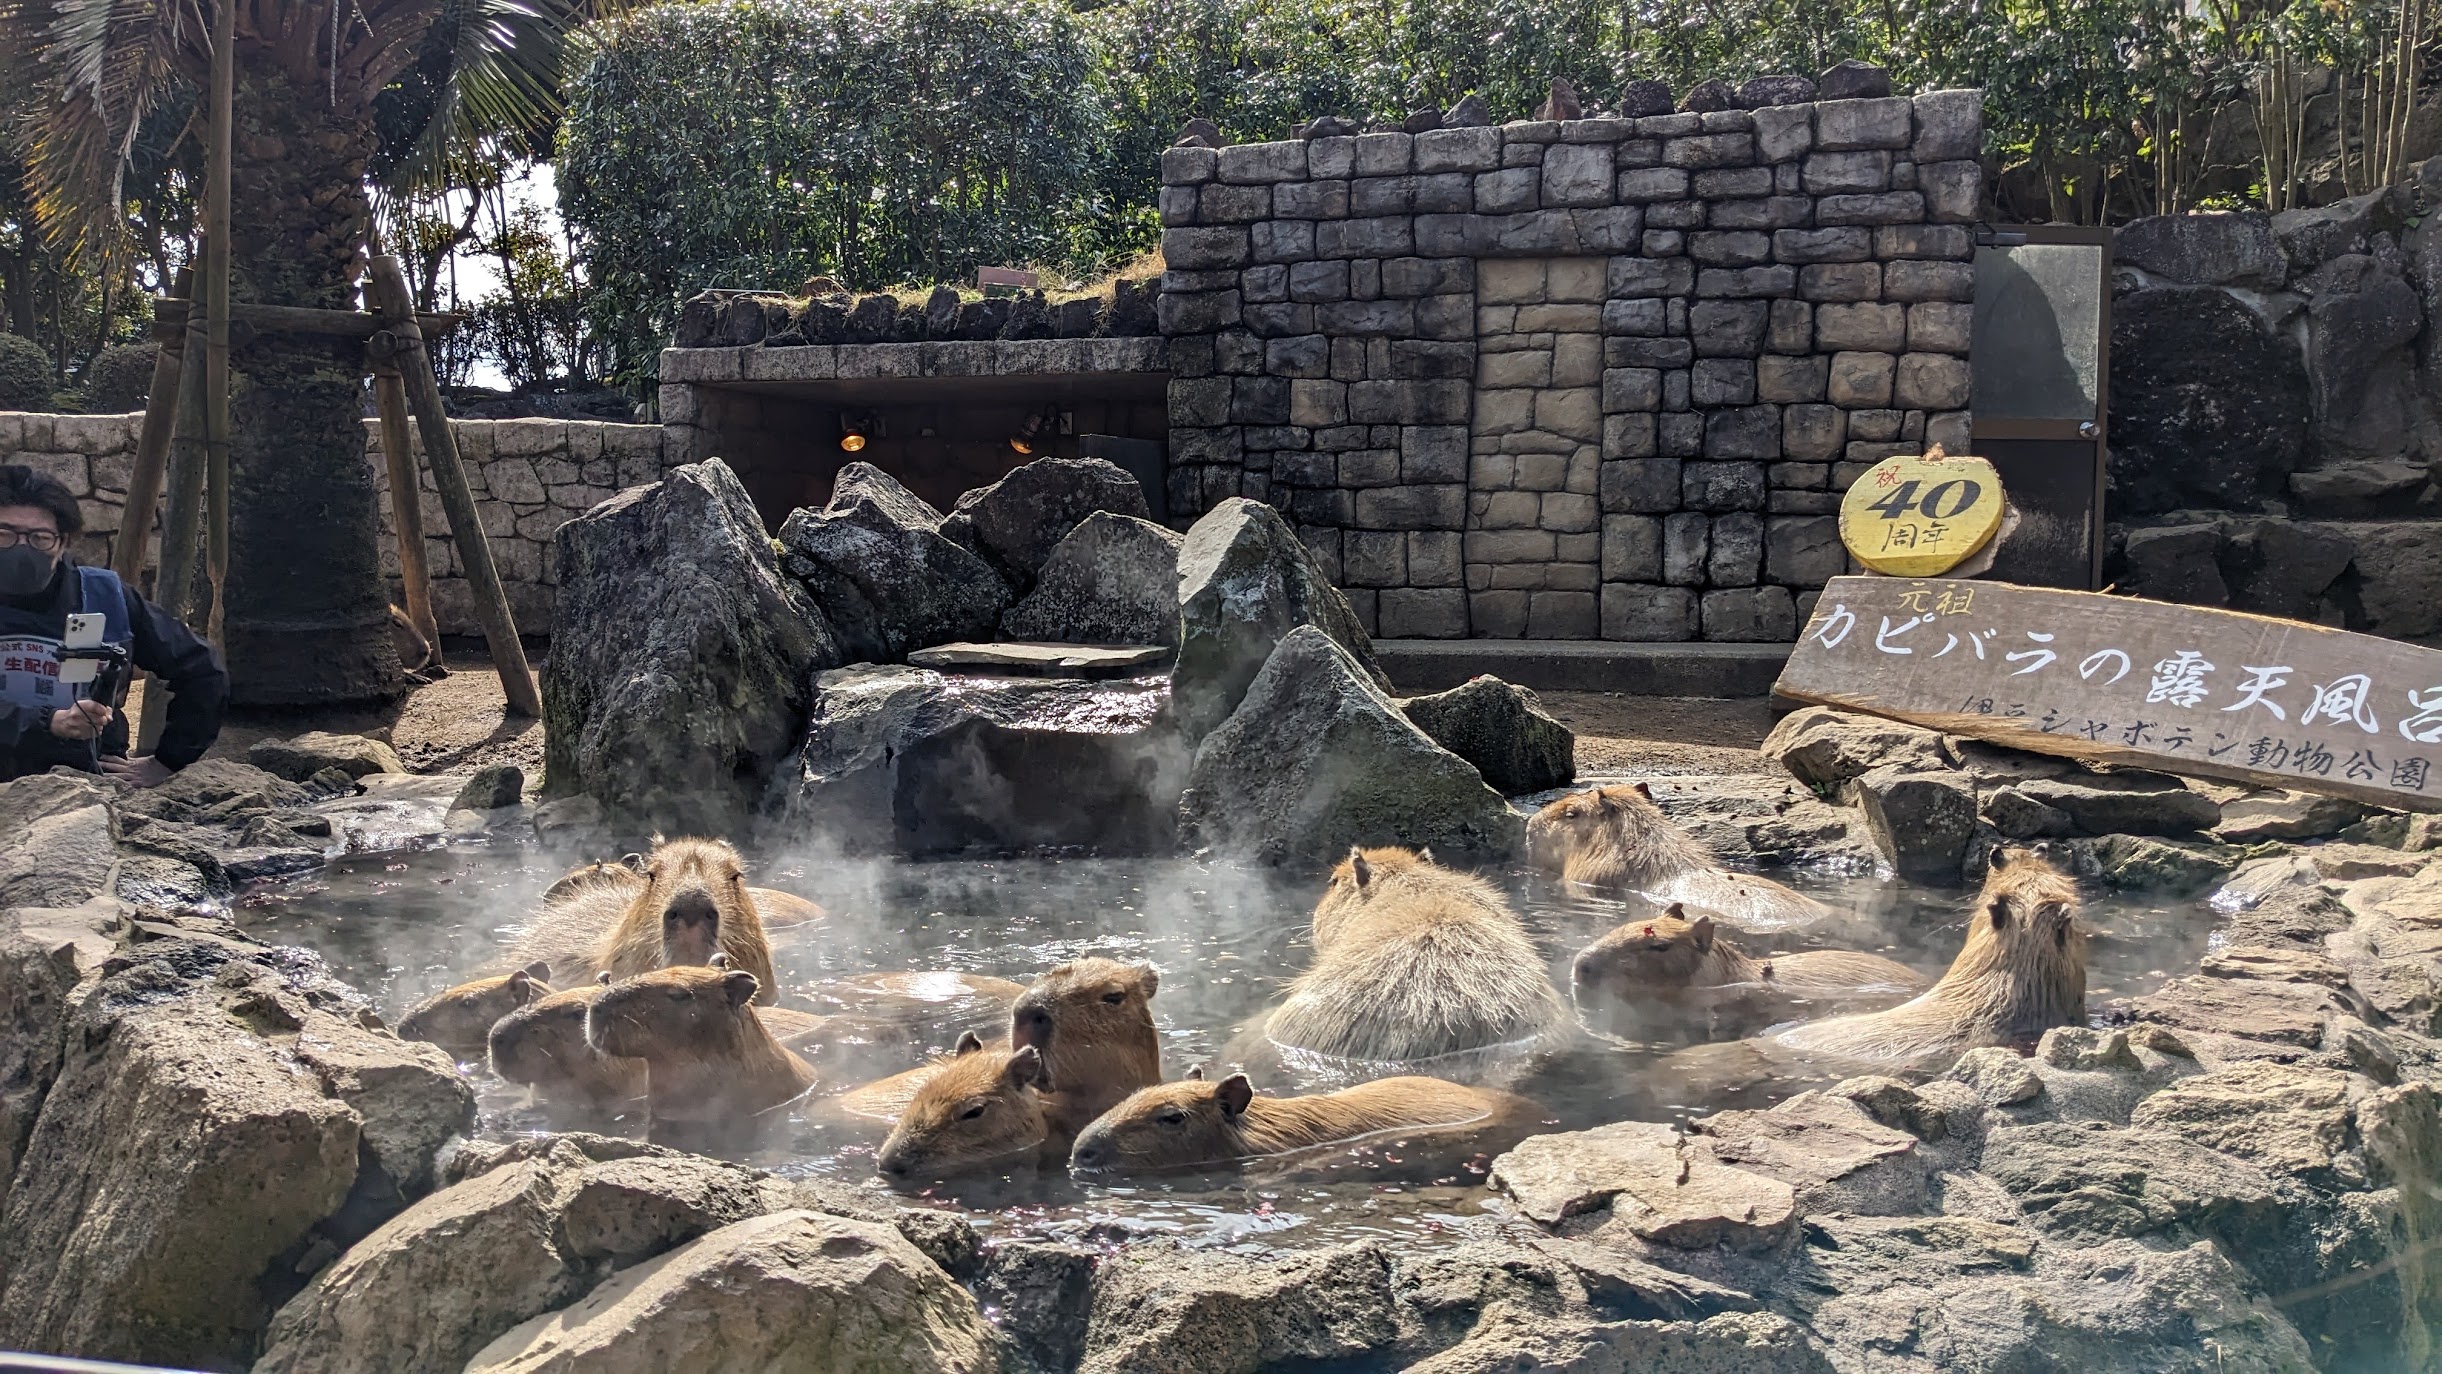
[{"x": 25, "y": 570}]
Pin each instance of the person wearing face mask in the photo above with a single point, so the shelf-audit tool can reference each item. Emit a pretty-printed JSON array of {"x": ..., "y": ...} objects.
[{"x": 43, "y": 723}]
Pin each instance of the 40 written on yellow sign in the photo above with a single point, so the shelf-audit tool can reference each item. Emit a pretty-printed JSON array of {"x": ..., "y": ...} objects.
[{"x": 1914, "y": 516}]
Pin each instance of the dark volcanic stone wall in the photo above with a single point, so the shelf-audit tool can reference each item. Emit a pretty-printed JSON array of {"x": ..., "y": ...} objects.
[{"x": 1595, "y": 378}]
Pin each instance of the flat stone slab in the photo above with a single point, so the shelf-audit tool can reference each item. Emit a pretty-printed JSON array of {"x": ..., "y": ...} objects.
[{"x": 1030, "y": 659}]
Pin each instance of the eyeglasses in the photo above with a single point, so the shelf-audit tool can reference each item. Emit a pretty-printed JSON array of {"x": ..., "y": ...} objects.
[{"x": 44, "y": 541}]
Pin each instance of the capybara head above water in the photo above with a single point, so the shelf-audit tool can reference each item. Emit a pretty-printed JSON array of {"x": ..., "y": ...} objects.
[
  {"x": 1363, "y": 879},
  {"x": 1092, "y": 1022},
  {"x": 1168, "y": 1126},
  {"x": 696, "y": 1013},
  {"x": 693, "y": 904},
  {"x": 626, "y": 872},
  {"x": 542, "y": 1046},
  {"x": 2025, "y": 928},
  {"x": 1610, "y": 836},
  {"x": 1664, "y": 954},
  {"x": 460, "y": 1020},
  {"x": 983, "y": 1107}
]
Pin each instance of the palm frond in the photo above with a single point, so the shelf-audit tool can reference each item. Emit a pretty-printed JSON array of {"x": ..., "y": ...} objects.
[
  {"x": 503, "y": 80},
  {"x": 99, "y": 67}
]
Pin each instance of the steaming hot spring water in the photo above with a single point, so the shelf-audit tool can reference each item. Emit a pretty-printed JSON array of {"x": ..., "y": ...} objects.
[{"x": 401, "y": 926}]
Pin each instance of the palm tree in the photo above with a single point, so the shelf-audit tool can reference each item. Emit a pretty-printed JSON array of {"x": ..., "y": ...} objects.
[{"x": 319, "y": 83}]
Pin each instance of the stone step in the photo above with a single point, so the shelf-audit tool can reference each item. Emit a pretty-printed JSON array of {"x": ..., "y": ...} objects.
[{"x": 1656, "y": 670}]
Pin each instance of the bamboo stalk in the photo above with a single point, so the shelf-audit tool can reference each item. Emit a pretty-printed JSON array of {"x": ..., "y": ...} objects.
[
  {"x": 406, "y": 508},
  {"x": 216, "y": 315},
  {"x": 390, "y": 296},
  {"x": 152, "y": 452}
]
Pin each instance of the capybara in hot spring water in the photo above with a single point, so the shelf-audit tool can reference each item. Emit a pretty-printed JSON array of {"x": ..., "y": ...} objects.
[
  {"x": 712, "y": 1066},
  {"x": 979, "y": 1107},
  {"x": 690, "y": 902},
  {"x": 1194, "y": 1124},
  {"x": 2021, "y": 972},
  {"x": 1091, "y": 1021},
  {"x": 1670, "y": 968},
  {"x": 779, "y": 910},
  {"x": 1414, "y": 961},
  {"x": 460, "y": 1019},
  {"x": 1617, "y": 839},
  {"x": 542, "y": 1046}
]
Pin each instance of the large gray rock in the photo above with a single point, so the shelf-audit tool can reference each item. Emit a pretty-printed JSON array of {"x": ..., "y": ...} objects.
[
  {"x": 2280, "y": 567},
  {"x": 903, "y": 760},
  {"x": 2224, "y": 249},
  {"x": 874, "y": 560},
  {"x": 1113, "y": 580},
  {"x": 1921, "y": 823},
  {"x": 1642, "y": 1181},
  {"x": 2087, "y": 1182},
  {"x": 2179, "y": 563},
  {"x": 1733, "y": 1343},
  {"x": 44, "y": 955},
  {"x": 1246, "y": 581},
  {"x": 795, "y": 1289},
  {"x": 55, "y": 840},
  {"x": 1317, "y": 758},
  {"x": 2358, "y": 310},
  {"x": 1824, "y": 747},
  {"x": 2313, "y": 236},
  {"x": 213, "y": 1111},
  {"x": 681, "y": 658},
  {"x": 2208, "y": 407},
  {"x": 301, "y": 757},
  {"x": 1161, "y": 1311},
  {"x": 1017, "y": 521},
  {"x": 2129, "y": 802},
  {"x": 1503, "y": 730}
]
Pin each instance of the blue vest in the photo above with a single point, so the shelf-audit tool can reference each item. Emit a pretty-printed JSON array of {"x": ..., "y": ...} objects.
[{"x": 29, "y": 655}]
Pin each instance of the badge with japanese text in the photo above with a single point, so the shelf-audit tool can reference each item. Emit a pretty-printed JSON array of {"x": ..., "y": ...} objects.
[
  {"x": 2113, "y": 679},
  {"x": 1911, "y": 516}
]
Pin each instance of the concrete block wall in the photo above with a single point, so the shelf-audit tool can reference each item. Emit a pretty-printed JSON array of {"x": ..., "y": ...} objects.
[
  {"x": 529, "y": 477},
  {"x": 1601, "y": 378}
]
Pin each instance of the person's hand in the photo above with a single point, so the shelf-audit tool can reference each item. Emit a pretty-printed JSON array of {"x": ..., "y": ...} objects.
[
  {"x": 138, "y": 772},
  {"x": 84, "y": 720}
]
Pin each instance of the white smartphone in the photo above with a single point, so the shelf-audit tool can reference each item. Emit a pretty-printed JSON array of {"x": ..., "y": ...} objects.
[{"x": 84, "y": 632}]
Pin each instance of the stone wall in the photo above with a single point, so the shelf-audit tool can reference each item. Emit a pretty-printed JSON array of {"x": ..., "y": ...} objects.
[
  {"x": 1573, "y": 379},
  {"x": 2276, "y": 411},
  {"x": 529, "y": 477}
]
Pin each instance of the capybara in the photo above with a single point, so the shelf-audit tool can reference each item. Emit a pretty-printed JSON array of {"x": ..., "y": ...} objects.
[
  {"x": 981, "y": 1106},
  {"x": 1194, "y": 1123},
  {"x": 690, "y": 901},
  {"x": 780, "y": 910},
  {"x": 2021, "y": 972},
  {"x": 628, "y": 871},
  {"x": 1616, "y": 838},
  {"x": 542, "y": 1046},
  {"x": 1672, "y": 966},
  {"x": 460, "y": 1020},
  {"x": 1413, "y": 961},
  {"x": 710, "y": 1060},
  {"x": 1091, "y": 1020}
]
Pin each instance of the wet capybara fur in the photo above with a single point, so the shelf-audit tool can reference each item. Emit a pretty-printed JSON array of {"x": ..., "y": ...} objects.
[
  {"x": 690, "y": 902},
  {"x": 542, "y": 1046},
  {"x": 460, "y": 1019},
  {"x": 2021, "y": 972},
  {"x": 1616, "y": 839},
  {"x": 1670, "y": 967},
  {"x": 710, "y": 1060},
  {"x": 1092, "y": 1022},
  {"x": 1195, "y": 1124},
  {"x": 1413, "y": 961},
  {"x": 981, "y": 1107}
]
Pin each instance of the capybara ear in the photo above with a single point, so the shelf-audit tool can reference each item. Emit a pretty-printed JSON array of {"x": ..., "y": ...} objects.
[
  {"x": 603, "y": 978},
  {"x": 1364, "y": 870},
  {"x": 1425, "y": 853},
  {"x": 1024, "y": 1067},
  {"x": 1148, "y": 980},
  {"x": 968, "y": 1043},
  {"x": 2000, "y": 911},
  {"x": 741, "y": 986},
  {"x": 1603, "y": 800},
  {"x": 1677, "y": 911},
  {"x": 521, "y": 987},
  {"x": 1702, "y": 932},
  {"x": 634, "y": 863},
  {"x": 539, "y": 971},
  {"x": 719, "y": 959},
  {"x": 2001, "y": 857},
  {"x": 1643, "y": 791},
  {"x": 1235, "y": 1093},
  {"x": 1196, "y": 1074}
]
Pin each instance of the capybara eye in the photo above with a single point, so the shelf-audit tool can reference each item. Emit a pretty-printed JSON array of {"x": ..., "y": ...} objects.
[
  {"x": 681, "y": 995},
  {"x": 1173, "y": 1117},
  {"x": 972, "y": 1113},
  {"x": 1114, "y": 998}
]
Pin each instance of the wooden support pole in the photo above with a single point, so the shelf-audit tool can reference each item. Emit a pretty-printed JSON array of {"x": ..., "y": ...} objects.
[
  {"x": 152, "y": 452},
  {"x": 182, "y": 520},
  {"x": 216, "y": 315},
  {"x": 406, "y": 507},
  {"x": 403, "y": 345}
]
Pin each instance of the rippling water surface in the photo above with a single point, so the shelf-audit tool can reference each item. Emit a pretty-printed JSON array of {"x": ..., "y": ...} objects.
[{"x": 402, "y": 926}]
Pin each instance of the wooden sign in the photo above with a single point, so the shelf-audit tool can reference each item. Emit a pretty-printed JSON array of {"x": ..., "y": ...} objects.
[
  {"x": 2112, "y": 679},
  {"x": 1912, "y": 516},
  {"x": 1007, "y": 276}
]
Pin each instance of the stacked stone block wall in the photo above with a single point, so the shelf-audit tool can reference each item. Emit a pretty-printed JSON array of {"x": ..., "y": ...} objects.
[
  {"x": 1594, "y": 378},
  {"x": 529, "y": 478}
]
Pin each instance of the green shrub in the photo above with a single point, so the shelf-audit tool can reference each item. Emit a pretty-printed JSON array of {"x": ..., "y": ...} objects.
[
  {"x": 25, "y": 374},
  {"x": 117, "y": 379}
]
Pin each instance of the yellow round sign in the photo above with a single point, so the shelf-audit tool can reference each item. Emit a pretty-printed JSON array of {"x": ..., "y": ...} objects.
[{"x": 1912, "y": 516}]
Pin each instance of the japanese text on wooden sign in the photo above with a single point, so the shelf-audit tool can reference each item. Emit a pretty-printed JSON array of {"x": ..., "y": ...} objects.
[{"x": 2113, "y": 679}]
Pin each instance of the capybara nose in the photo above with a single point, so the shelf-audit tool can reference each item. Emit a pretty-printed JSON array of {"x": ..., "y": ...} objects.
[
  {"x": 1030, "y": 1025},
  {"x": 891, "y": 1164},
  {"x": 1581, "y": 971},
  {"x": 1087, "y": 1156},
  {"x": 691, "y": 907}
]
